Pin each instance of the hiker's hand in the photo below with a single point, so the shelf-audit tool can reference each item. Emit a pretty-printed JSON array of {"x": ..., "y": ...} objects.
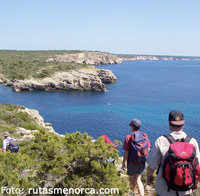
[
  {"x": 195, "y": 185},
  {"x": 124, "y": 166},
  {"x": 150, "y": 179}
]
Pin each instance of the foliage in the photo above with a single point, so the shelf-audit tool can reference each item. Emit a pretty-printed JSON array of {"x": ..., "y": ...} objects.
[
  {"x": 11, "y": 117},
  {"x": 53, "y": 161},
  {"x": 26, "y": 64}
]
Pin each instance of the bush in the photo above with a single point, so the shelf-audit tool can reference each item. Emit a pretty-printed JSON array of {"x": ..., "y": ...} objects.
[
  {"x": 26, "y": 64},
  {"x": 53, "y": 161},
  {"x": 72, "y": 161}
]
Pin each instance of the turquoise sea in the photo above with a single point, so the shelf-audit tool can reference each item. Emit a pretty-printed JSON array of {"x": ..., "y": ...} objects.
[{"x": 147, "y": 90}]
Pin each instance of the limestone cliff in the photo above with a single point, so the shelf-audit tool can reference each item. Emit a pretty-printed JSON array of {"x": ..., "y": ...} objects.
[
  {"x": 87, "y": 79},
  {"x": 29, "y": 134},
  {"x": 89, "y": 58}
]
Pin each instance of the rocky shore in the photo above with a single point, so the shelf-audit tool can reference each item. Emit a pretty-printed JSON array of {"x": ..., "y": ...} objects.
[
  {"x": 86, "y": 79},
  {"x": 89, "y": 58},
  {"x": 27, "y": 134}
]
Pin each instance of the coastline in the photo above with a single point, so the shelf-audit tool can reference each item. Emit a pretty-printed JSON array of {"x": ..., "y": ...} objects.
[
  {"x": 85, "y": 79},
  {"x": 54, "y": 70},
  {"x": 132, "y": 57}
]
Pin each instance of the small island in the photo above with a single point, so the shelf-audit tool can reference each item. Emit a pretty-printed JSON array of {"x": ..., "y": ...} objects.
[{"x": 56, "y": 70}]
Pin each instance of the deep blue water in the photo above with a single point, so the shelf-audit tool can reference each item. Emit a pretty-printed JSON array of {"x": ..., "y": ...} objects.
[{"x": 147, "y": 90}]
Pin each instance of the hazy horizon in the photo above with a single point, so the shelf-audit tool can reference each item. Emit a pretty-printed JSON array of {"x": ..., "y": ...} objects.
[
  {"x": 167, "y": 55},
  {"x": 168, "y": 28}
]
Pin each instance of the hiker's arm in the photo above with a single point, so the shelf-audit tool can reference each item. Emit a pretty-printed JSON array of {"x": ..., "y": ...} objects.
[
  {"x": 197, "y": 174},
  {"x": 149, "y": 175},
  {"x": 195, "y": 184},
  {"x": 153, "y": 161},
  {"x": 149, "y": 144},
  {"x": 126, "y": 148},
  {"x": 125, "y": 157},
  {"x": 4, "y": 147},
  {"x": 3, "y": 150}
]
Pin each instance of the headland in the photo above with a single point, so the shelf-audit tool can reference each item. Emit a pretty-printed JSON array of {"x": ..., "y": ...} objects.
[{"x": 56, "y": 70}]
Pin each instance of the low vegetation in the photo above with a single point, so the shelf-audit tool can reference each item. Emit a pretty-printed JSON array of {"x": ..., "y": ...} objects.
[
  {"x": 53, "y": 161},
  {"x": 25, "y": 64}
]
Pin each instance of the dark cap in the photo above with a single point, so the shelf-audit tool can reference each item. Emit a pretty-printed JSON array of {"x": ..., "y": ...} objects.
[
  {"x": 176, "y": 117},
  {"x": 136, "y": 123}
]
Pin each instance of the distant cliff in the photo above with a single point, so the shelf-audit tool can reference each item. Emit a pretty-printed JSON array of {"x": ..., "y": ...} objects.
[
  {"x": 56, "y": 70},
  {"x": 89, "y": 58},
  {"x": 85, "y": 79}
]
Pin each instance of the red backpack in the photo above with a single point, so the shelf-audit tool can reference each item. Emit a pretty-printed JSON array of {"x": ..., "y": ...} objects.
[{"x": 180, "y": 167}]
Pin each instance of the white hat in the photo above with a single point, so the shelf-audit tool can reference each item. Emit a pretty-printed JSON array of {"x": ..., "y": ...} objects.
[{"x": 6, "y": 134}]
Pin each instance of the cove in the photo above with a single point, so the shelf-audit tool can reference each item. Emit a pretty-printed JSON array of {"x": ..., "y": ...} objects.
[{"x": 147, "y": 90}]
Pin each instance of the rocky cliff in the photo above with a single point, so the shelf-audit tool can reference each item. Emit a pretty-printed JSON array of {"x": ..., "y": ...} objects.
[
  {"x": 87, "y": 79},
  {"x": 27, "y": 134},
  {"x": 90, "y": 58}
]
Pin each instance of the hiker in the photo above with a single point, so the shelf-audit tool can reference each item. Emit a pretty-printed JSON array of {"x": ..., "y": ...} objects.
[
  {"x": 136, "y": 146},
  {"x": 9, "y": 144},
  {"x": 108, "y": 141},
  {"x": 175, "y": 156},
  {"x": 112, "y": 146}
]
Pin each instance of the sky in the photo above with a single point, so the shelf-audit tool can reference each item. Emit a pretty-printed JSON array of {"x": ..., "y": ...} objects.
[{"x": 157, "y": 27}]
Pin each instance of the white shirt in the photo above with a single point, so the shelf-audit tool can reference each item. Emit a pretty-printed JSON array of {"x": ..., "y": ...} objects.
[
  {"x": 157, "y": 155},
  {"x": 6, "y": 143}
]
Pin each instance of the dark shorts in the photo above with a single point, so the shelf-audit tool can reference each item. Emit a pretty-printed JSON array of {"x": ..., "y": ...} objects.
[{"x": 135, "y": 168}]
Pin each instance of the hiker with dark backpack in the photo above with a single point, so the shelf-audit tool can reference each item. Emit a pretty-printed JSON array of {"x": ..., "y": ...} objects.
[
  {"x": 9, "y": 144},
  {"x": 136, "y": 146},
  {"x": 176, "y": 158}
]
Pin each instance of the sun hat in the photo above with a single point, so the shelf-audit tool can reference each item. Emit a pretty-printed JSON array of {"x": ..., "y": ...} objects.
[{"x": 6, "y": 134}]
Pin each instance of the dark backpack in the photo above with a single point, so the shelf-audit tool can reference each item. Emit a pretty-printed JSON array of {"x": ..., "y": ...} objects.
[
  {"x": 180, "y": 167},
  {"x": 139, "y": 148},
  {"x": 13, "y": 145}
]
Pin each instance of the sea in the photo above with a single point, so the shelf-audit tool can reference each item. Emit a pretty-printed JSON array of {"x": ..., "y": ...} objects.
[{"x": 147, "y": 90}]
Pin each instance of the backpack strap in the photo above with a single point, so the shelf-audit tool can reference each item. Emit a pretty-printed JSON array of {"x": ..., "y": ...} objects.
[
  {"x": 170, "y": 138},
  {"x": 9, "y": 139},
  {"x": 187, "y": 139}
]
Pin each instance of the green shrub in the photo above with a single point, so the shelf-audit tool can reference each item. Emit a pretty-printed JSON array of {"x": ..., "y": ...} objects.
[
  {"x": 27, "y": 64},
  {"x": 53, "y": 161},
  {"x": 72, "y": 161}
]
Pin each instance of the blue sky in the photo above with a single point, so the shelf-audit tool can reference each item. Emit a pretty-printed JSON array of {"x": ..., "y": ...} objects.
[{"x": 168, "y": 27}]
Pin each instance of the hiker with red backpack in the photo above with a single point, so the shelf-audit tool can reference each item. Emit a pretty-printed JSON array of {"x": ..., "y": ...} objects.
[
  {"x": 136, "y": 146},
  {"x": 176, "y": 158}
]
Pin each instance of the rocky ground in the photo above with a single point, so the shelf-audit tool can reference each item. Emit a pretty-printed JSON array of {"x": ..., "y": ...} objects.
[
  {"x": 29, "y": 134},
  {"x": 149, "y": 191}
]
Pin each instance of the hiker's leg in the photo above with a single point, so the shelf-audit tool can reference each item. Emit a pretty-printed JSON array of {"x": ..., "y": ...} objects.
[
  {"x": 140, "y": 184},
  {"x": 133, "y": 180}
]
